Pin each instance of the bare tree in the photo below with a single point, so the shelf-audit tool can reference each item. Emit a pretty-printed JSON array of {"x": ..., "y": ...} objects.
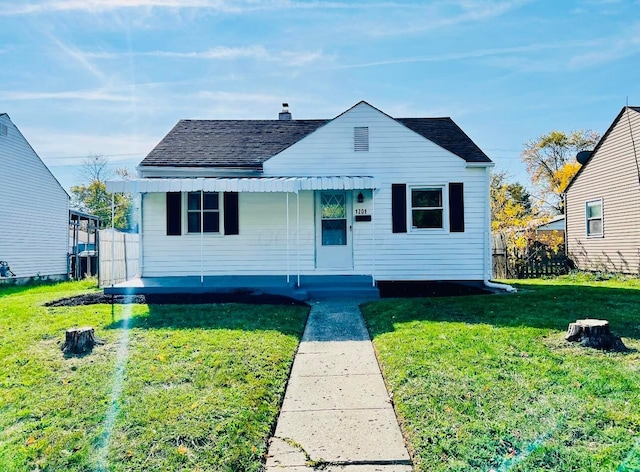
[{"x": 96, "y": 168}]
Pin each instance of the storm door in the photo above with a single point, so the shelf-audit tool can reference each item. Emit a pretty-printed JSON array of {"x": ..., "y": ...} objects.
[{"x": 333, "y": 230}]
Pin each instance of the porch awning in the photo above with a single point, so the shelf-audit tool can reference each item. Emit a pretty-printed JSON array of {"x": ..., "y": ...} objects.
[{"x": 241, "y": 184}]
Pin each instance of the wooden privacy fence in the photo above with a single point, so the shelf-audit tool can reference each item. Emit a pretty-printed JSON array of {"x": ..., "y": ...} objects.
[
  {"x": 119, "y": 256},
  {"x": 536, "y": 261}
]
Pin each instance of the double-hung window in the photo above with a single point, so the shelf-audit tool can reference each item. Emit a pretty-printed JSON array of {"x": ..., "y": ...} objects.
[
  {"x": 427, "y": 209},
  {"x": 203, "y": 212},
  {"x": 595, "y": 227}
]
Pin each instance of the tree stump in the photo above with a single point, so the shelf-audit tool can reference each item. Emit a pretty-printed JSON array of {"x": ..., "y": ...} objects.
[
  {"x": 594, "y": 333},
  {"x": 80, "y": 340}
]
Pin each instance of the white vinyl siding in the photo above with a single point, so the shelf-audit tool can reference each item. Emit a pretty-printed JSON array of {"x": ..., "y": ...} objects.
[
  {"x": 260, "y": 248},
  {"x": 610, "y": 174},
  {"x": 397, "y": 155},
  {"x": 34, "y": 210}
]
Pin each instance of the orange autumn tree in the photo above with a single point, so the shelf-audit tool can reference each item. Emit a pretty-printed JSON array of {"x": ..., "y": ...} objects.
[
  {"x": 550, "y": 161},
  {"x": 515, "y": 217}
]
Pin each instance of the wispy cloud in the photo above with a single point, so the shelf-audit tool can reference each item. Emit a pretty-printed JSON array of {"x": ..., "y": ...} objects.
[
  {"x": 90, "y": 95},
  {"x": 610, "y": 49},
  {"x": 222, "y": 6},
  {"x": 257, "y": 52},
  {"x": 480, "y": 53},
  {"x": 440, "y": 15},
  {"x": 237, "y": 97},
  {"x": 59, "y": 148},
  {"x": 79, "y": 57}
]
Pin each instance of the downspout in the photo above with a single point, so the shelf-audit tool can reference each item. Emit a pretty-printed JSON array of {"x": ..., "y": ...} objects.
[
  {"x": 140, "y": 237},
  {"x": 113, "y": 237},
  {"x": 373, "y": 210},
  {"x": 487, "y": 241},
  {"x": 202, "y": 233},
  {"x": 298, "y": 234},
  {"x": 288, "y": 278}
]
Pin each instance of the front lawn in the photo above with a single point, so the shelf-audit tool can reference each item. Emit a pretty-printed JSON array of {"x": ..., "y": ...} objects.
[
  {"x": 487, "y": 382},
  {"x": 175, "y": 387}
]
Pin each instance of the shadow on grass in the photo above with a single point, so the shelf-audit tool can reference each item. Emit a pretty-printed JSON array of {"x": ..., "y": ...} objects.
[
  {"x": 536, "y": 306},
  {"x": 287, "y": 319}
]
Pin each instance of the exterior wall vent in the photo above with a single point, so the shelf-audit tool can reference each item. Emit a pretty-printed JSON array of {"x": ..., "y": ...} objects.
[
  {"x": 361, "y": 138},
  {"x": 3, "y": 130}
]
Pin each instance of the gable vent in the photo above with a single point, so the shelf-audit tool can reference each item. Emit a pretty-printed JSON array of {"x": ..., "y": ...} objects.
[
  {"x": 361, "y": 138},
  {"x": 3, "y": 130}
]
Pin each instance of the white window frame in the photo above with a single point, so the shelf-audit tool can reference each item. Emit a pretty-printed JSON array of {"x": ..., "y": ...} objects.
[
  {"x": 444, "y": 208},
  {"x": 185, "y": 205},
  {"x": 587, "y": 219}
]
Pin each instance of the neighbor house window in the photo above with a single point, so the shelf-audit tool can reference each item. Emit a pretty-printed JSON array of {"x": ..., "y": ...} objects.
[
  {"x": 203, "y": 208},
  {"x": 426, "y": 208},
  {"x": 594, "y": 218}
]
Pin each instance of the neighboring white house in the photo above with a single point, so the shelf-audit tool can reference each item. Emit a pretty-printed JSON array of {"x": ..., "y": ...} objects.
[
  {"x": 34, "y": 210},
  {"x": 602, "y": 201},
  {"x": 360, "y": 194}
]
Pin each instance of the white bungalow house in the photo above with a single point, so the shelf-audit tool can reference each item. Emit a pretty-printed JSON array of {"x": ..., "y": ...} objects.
[
  {"x": 362, "y": 195},
  {"x": 34, "y": 212}
]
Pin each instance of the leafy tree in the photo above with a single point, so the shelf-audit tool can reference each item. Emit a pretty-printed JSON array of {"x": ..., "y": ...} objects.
[
  {"x": 516, "y": 218},
  {"x": 550, "y": 161},
  {"x": 511, "y": 205},
  {"x": 93, "y": 197}
]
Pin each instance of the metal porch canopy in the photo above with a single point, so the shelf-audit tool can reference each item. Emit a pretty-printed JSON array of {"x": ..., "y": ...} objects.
[{"x": 241, "y": 184}]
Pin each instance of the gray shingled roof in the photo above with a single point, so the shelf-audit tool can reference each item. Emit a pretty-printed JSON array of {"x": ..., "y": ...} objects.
[
  {"x": 248, "y": 143},
  {"x": 447, "y": 134}
]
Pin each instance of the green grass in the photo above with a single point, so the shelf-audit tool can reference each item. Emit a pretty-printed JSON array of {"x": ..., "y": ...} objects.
[
  {"x": 200, "y": 389},
  {"x": 488, "y": 382}
]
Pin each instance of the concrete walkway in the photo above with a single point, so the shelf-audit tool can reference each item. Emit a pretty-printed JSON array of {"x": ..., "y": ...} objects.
[{"x": 336, "y": 411}]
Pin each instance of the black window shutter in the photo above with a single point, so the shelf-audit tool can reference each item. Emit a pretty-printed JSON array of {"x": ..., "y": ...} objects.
[
  {"x": 174, "y": 214},
  {"x": 231, "y": 220},
  {"x": 399, "y": 207},
  {"x": 456, "y": 207}
]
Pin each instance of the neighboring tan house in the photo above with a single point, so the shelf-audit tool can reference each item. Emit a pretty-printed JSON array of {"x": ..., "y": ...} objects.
[
  {"x": 34, "y": 211},
  {"x": 364, "y": 194},
  {"x": 603, "y": 228}
]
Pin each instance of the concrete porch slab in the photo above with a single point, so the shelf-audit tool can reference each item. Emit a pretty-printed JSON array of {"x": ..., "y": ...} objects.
[{"x": 316, "y": 286}]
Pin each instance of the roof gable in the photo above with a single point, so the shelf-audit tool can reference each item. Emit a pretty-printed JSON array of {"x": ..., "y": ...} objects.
[
  {"x": 249, "y": 143},
  {"x": 32, "y": 152},
  {"x": 602, "y": 141}
]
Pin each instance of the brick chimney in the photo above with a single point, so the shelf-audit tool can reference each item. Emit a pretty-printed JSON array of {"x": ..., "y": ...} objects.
[{"x": 284, "y": 115}]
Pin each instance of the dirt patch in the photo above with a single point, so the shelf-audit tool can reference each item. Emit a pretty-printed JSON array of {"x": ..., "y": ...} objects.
[
  {"x": 249, "y": 297},
  {"x": 427, "y": 289}
]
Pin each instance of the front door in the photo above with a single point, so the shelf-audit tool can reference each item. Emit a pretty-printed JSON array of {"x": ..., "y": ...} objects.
[{"x": 333, "y": 230}]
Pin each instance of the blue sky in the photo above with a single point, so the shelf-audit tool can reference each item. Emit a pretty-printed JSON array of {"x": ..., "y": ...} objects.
[{"x": 111, "y": 77}]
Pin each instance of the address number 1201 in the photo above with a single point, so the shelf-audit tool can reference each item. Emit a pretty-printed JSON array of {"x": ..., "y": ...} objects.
[{"x": 361, "y": 211}]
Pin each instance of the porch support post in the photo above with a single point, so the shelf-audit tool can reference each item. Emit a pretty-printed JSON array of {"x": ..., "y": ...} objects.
[
  {"x": 298, "y": 234},
  {"x": 373, "y": 238},
  {"x": 113, "y": 238},
  {"x": 201, "y": 233},
  {"x": 287, "y": 238}
]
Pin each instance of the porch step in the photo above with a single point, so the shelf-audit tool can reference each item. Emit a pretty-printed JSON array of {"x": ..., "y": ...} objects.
[
  {"x": 339, "y": 286},
  {"x": 329, "y": 293}
]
